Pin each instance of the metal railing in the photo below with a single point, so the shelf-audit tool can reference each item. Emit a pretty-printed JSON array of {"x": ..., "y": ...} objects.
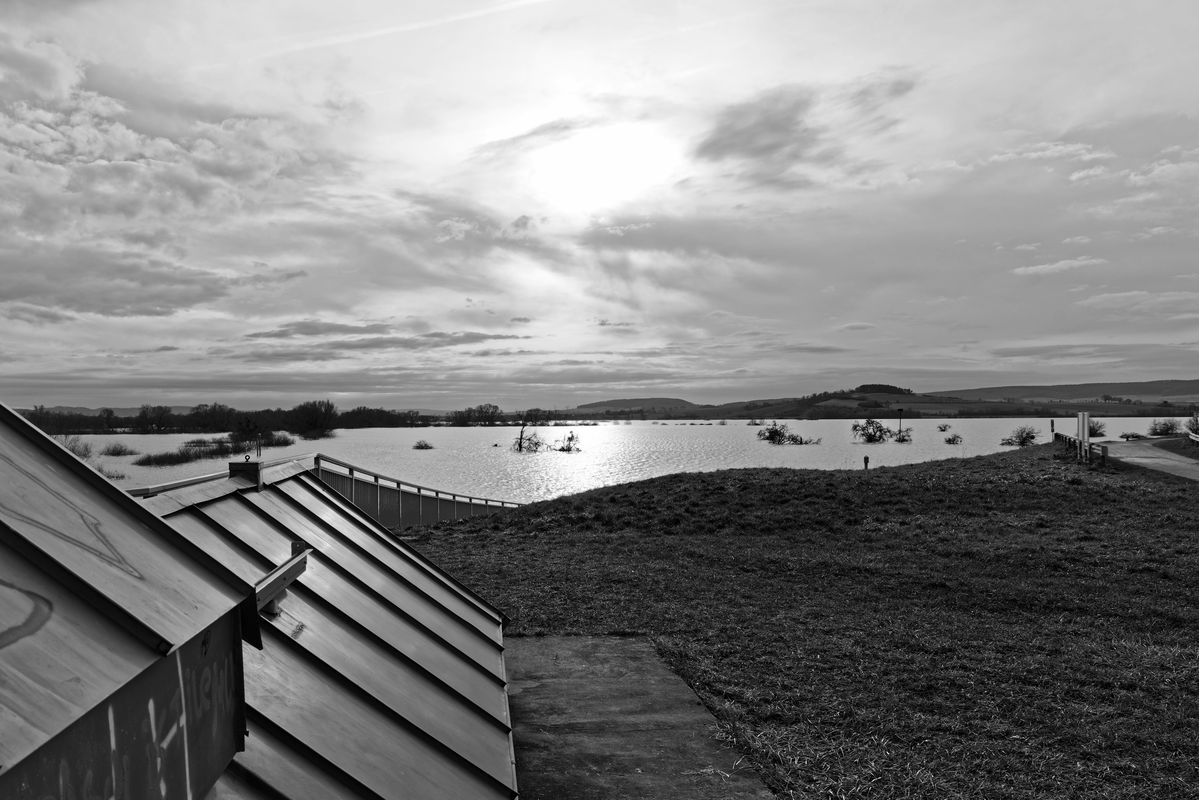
[
  {"x": 398, "y": 504},
  {"x": 1088, "y": 453}
]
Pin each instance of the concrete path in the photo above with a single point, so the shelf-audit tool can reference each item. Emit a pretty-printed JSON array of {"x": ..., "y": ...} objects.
[
  {"x": 1145, "y": 454},
  {"x": 601, "y": 718}
]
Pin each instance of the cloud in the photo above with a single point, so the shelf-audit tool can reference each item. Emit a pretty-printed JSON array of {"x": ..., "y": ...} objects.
[
  {"x": 1091, "y": 172},
  {"x": 813, "y": 349},
  {"x": 520, "y": 319},
  {"x": 1141, "y": 301},
  {"x": 1054, "y": 151},
  {"x": 63, "y": 279},
  {"x": 857, "y": 326},
  {"x": 1077, "y": 240},
  {"x": 312, "y": 327},
  {"x": 35, "y": 71},
  {"x": 34, "y": 315},
  {"x": 770, "y": 134},
  {"x": 1059, "y": 266},
  {"x": 547, "y": 133},
  {"x": 340, "y": 348}
]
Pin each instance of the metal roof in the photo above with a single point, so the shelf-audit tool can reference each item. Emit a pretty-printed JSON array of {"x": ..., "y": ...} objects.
[
  {"x": 106, "y": 616},
  {"x": 380, "y": 676}
]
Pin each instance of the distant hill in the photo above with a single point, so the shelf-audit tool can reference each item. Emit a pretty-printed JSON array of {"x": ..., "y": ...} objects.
[
  {"x": 1173, "y": 390},
  {"x": 638, "y": 403}
]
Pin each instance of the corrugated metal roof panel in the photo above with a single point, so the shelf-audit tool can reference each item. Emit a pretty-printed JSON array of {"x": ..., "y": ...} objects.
[
  {"x": 380, "y": 676},
  {"x": 120, "y": 642},
  {"x": 104, "y": 542}
]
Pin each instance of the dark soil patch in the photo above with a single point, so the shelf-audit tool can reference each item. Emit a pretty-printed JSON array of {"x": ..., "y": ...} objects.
[{"x": 1181, "y": 445}]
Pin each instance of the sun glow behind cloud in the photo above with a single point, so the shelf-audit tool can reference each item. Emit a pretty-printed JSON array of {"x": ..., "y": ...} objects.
[
  {"x": 540, "y": 203},
  {"x": 603, "y": 168}
]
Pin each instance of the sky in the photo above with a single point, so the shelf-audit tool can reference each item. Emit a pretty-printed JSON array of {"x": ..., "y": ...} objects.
[{"x": 542, "y": 203}]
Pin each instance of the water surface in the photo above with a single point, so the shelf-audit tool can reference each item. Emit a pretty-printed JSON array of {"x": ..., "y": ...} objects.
[{"x": 480, "y": 462}]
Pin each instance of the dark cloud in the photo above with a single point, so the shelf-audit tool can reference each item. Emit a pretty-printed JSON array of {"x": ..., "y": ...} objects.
[
  {"x": 546, "y": 133},
  {"x": 66, "y": 279},
  {"x": 35, "y": 315},
  {"x": 520, "y": 319},
  {"x": 768, "y": 136},
  {"x": 603, "y": 323},
  {"x": 34, "y": 71},
  {"x": 312, "y": 327},
  {"x": 326, "y": 350},
  {"x": 812, "y": 349}
]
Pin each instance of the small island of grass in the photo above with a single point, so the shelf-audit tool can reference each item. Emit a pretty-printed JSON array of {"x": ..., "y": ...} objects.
[{"x": 1015, "y": 625}]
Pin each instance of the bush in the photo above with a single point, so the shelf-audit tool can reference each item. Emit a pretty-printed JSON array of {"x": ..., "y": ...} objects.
[
  {"x": 1192, "y": 424},
  {"x": 955, "y": 438},
  {"x": 1164, "y": 427},
  {"x": 168, "y": 459},
  {"x": 778, "y": 434},
  {"x": 568, "y": 445},
  {"x": 118, "y": 449},
  {"x": 1022, "y": 436},
  {"x": 1128, "y": 437},
  {"x": 421, "y": 444},
  {"x": 1096, "y": 428},
  {"x": 871, "y": 431},
  {"x": 79, "y": 448},
  {"x": 527, "y": 443}
]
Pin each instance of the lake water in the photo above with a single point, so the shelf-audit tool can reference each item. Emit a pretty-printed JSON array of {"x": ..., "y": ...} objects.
[{"x": 480, "y": 461}]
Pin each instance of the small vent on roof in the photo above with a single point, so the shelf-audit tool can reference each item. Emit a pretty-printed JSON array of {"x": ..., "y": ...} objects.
[{"x": 270, "y": 590}]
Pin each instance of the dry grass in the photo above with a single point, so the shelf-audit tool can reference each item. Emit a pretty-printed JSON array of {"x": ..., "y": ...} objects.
[{"x": 1013, "y": 626}]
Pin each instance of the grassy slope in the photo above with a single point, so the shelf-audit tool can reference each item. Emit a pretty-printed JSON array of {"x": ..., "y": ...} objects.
[{"x": 1007, "y": 626}]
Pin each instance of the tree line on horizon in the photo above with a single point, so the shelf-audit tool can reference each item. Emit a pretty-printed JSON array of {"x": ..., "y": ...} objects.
[{"x": 318, "y": 418}]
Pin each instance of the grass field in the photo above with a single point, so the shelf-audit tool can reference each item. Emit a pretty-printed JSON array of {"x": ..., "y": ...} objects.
[{"x": 1010, "y": 626}]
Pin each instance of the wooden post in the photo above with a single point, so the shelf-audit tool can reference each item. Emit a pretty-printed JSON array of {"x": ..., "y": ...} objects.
[{"x": 866, "y": 462}]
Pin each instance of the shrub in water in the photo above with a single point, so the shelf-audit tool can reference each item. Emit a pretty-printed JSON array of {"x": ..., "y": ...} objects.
[
  {"x": 955, "y": 438},
  {"x": 568, "y": 445},
  {"x": 778, "y": 434},
  {"x": 871, "y": 431},
  {"x": 1192, "y": 424},
  {"x": 118, "y": 449},
  {"x": 421, "y": 444},
  {"x": 1096, "y": 428}
]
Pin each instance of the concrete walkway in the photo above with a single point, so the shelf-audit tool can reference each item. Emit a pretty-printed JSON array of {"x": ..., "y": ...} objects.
[
  {"x": 1145, "y": 454},
  {"x": 601, "y": 718}
]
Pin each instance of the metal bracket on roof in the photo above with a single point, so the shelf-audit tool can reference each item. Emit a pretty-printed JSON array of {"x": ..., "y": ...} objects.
[{"x": 270, "y": 589}]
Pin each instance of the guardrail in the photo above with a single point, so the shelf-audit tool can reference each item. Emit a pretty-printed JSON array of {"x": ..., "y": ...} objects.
[
  {"x": 398, "y": 504},
  {"x": 1084, "y": 453}
]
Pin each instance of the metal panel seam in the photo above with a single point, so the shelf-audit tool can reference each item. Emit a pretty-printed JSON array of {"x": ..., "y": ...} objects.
[
  {"x": 385, "y": 708},
  {"x": 356, "y": 548}
]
